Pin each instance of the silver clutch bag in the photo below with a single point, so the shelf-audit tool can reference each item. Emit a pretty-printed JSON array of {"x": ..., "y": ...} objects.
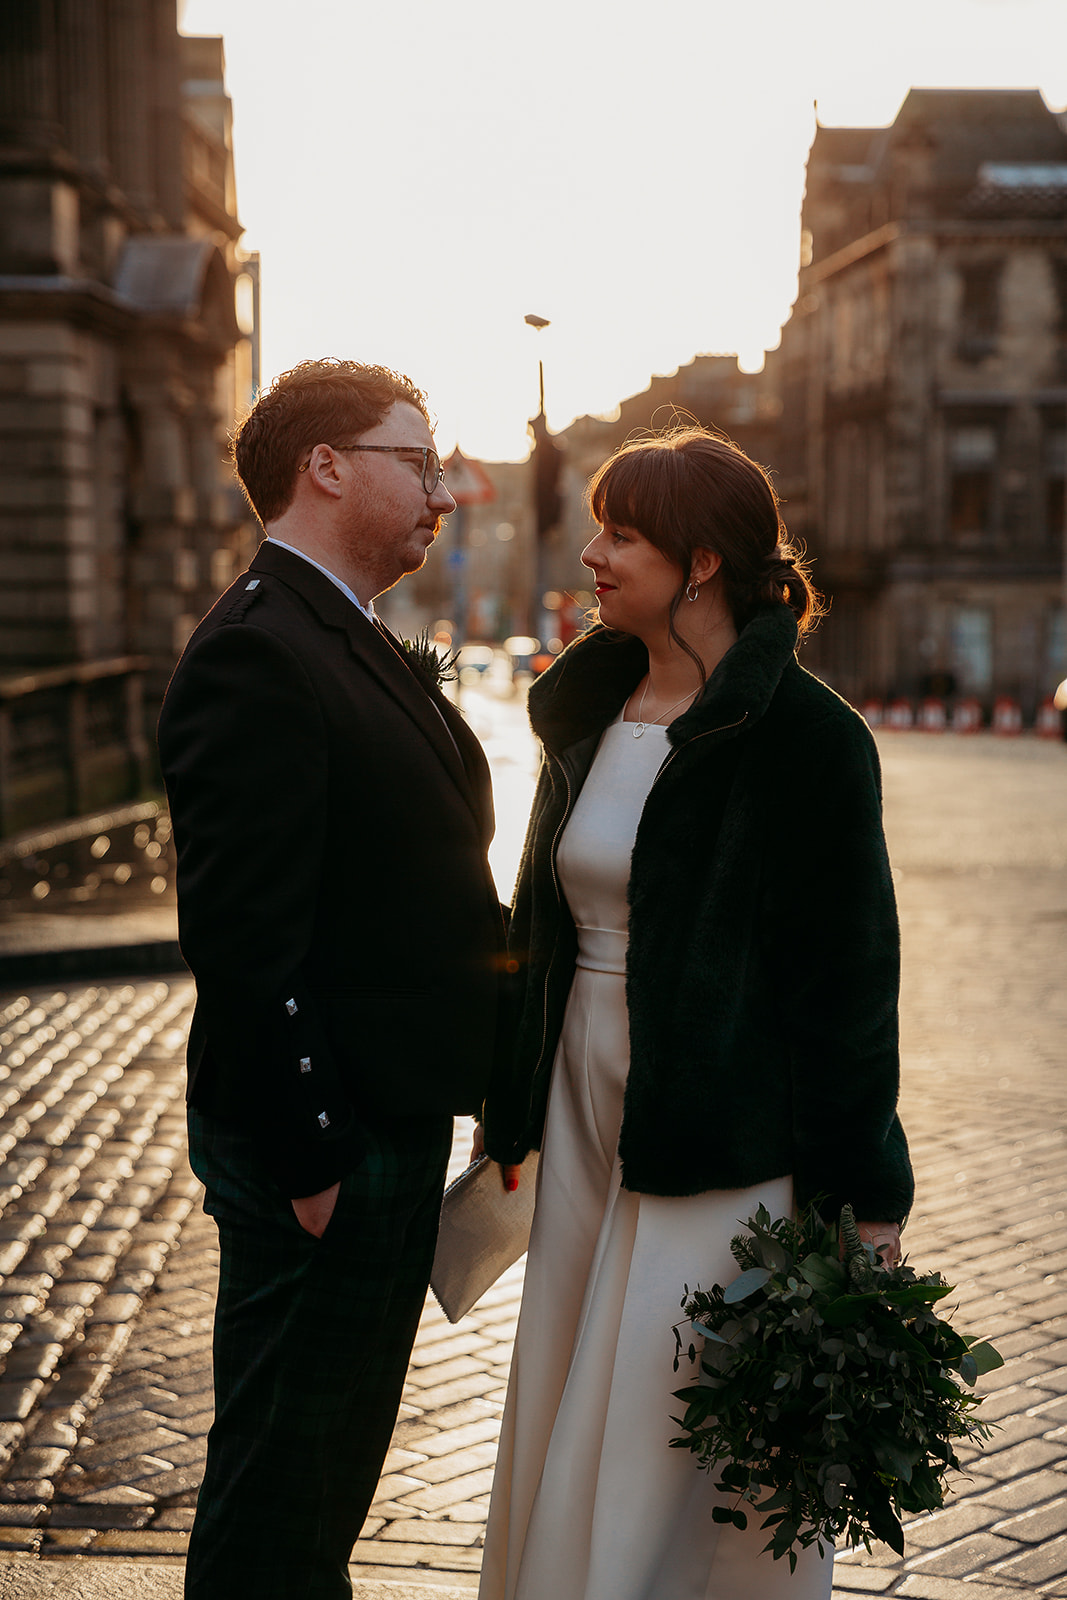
[{"x": 483, "y": 1231}]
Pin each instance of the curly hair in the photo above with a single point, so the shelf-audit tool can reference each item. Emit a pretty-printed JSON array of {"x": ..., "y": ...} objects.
[{"x": 317, "y": 402}]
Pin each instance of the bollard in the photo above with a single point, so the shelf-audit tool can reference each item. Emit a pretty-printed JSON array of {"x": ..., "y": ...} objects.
[
  {"x": 1007, "y": 717},
  {"x": 967, "y": 716},
  {"x": 933, "y": 718}
]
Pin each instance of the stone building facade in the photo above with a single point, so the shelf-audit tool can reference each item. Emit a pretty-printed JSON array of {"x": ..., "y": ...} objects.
[
  {"x": 122, "y": 365},
  {"x": 923, "y": 387},
  {"x": 915, "y": 412}
]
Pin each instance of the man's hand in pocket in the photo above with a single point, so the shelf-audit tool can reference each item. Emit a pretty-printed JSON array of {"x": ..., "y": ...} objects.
[{"x": 314, "y": 1211}]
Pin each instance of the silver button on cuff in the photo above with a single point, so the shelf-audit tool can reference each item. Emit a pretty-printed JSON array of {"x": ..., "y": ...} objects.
[
  {"x": 292, "y": 1007},
  {"x": 305, "y": 1063},
  {"x": 324, "y": 1120}
]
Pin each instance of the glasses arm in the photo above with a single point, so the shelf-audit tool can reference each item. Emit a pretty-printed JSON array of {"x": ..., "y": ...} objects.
[{"x": 437, "y": 472}]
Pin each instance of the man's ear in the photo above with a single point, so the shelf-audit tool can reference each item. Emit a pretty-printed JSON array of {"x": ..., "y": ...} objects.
[
  {"x": 705, "y": 565},
  {"x": 322, "y": 471}
]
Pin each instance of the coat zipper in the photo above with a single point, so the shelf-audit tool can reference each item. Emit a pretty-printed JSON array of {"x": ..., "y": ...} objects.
[
  {"x": 555, "y": 946},
  {"x": 678, "y": 748}
]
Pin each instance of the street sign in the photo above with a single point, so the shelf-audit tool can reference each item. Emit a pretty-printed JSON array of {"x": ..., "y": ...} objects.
[{"x": 467, "y": 481}]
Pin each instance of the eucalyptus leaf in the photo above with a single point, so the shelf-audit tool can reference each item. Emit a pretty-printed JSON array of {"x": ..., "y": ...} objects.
[
  {"x": 914, "y": 1294},
  {"x": 847, "y": 1309},
  {"x": 885, "y": 1526},
  {"x": 823, "y": 1274},
  {"x": 707, "y": 1330},
  {"x": 746, "y": 1284},
  {"x": 985, "y": 1357},
  {"x": 773, "y": 1254},
  {"x": 893, "y": 1459}
]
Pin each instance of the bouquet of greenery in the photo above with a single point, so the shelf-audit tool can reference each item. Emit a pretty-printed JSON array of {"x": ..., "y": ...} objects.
[{"x": 828, "y": 1398}]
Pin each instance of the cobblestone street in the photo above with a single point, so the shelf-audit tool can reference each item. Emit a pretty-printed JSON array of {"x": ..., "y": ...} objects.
[{"x": 107, "y": 1264}]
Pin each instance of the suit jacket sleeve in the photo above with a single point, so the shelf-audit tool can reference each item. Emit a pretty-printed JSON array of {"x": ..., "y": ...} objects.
[{"x": 244, "y": 752}]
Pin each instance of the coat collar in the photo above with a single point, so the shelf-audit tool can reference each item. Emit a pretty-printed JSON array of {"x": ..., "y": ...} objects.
[
  {"x": 375, "y": 648},
  {"x": 584, "y": 688}
]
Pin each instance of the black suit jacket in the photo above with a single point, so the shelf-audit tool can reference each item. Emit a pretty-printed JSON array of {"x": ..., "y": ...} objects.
[{"x": 331, "y": 817}]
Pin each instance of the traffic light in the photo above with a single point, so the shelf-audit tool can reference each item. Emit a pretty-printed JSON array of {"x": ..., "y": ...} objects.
[{"x": 548, "y": 462}]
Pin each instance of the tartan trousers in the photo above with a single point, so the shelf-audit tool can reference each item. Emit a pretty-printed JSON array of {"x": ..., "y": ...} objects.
[{"x": 311, "y": 1345}]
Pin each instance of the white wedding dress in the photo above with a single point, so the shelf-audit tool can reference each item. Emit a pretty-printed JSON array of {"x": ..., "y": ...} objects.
[{"x": 589, "y": 1503}]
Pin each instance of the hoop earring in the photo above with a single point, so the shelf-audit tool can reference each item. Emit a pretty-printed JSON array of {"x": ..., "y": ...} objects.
[{"x": 695, "y": 587}]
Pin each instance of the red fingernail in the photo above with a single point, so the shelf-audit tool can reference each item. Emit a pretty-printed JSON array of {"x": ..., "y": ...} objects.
[{"x": 512, "y": 1185}]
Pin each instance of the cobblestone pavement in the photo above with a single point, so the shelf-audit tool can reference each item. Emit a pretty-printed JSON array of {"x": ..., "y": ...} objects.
[{"x": 108, "y": 1265}]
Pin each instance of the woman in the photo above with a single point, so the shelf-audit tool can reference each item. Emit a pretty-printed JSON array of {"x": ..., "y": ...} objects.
[{"x": 707, "y": 938}]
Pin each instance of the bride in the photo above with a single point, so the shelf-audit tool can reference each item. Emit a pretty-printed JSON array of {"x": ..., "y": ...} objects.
[{"x": 707, "y": 940}]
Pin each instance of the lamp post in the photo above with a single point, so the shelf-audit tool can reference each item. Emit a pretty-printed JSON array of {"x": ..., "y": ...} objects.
[
  {"x": 546, "y": 459},
  {"x": 533, "y": 321}
]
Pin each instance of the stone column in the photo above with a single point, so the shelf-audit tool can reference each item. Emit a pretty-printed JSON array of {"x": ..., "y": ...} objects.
[
  {"x": 81, "y": 57},
  {"x": 162, "y": 512},
  {"x": 167, "y": 114},
  {"x": 28, "y": 110},
  {"x": 130, "y": 80}
]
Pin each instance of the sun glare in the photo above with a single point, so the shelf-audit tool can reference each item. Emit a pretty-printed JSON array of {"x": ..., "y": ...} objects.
[{"x": 638, "y": 182}]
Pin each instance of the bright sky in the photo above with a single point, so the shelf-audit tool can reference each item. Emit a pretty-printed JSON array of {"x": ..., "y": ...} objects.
[{"x": 417, "y": 177}]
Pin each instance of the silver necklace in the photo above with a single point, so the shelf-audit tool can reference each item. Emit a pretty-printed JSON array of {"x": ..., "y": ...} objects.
[{"x": 640, "y": 725}]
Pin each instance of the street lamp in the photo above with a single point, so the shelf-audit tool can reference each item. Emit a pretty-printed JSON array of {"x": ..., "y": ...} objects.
[
  {"x": 546, "y": 460},
  {"x": 533, "y": 321}
]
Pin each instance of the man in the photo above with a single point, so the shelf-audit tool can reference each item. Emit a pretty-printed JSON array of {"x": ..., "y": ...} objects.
[{"x": 332, "y": 814}]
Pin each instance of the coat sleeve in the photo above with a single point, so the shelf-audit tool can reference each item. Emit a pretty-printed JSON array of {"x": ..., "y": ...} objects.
[
  {"x": 836, "y": 957},
  {"x": 506, "y": 1111},
  {"x": 244, "y": 753}
]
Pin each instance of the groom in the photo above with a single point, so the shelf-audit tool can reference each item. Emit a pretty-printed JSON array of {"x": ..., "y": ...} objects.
[{"x": 332, "y": 814}]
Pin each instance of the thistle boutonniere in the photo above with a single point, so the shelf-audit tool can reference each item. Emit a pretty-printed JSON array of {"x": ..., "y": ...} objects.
[
  {"x": 431, "y": 666},
  {"x": 830, "y": 1394}
]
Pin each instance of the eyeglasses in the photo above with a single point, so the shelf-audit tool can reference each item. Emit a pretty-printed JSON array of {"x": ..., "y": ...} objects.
[{"x": 432, "y": 470}]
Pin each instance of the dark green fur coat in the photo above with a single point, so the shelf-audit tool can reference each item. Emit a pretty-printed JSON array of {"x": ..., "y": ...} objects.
[{"x": 763, "y": 963}]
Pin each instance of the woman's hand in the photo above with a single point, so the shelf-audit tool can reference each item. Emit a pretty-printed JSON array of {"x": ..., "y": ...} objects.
[
  {"x": 509, "y": 1175},
  {"x": 884, "y": 1239}
]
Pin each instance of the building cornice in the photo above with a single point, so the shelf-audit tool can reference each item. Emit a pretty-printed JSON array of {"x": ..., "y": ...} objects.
[
  {"x": 954, "y": 228},
  {"x": 1002, "y": 397},
  {"x": 217, "y": 217},
  {"x": 80, "y": 300},
  {"x": 868, "y": 245},
  {"x": 88, "y": 304},
  {"x": 917, "y": 565},
  {"x": 59, "y": 166}
]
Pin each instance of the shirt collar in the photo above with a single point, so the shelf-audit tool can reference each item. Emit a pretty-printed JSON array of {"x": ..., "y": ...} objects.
[{"x": 367, "y": 610}]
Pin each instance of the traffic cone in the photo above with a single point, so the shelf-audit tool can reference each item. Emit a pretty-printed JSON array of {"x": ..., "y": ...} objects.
[
  {"x": 1007, "y": 717},
  {"x": 932, "y": 715},
  {"x": 967, "y": 716},
  {"x": 1049, "y": 722}
]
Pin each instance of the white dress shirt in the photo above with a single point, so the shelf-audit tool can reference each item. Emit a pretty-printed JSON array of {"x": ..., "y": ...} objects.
[{"x": 367, "y": 610}]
